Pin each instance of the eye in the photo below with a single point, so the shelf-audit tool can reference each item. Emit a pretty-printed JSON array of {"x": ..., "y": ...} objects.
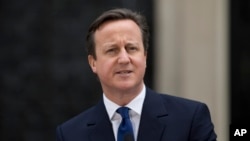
[
  {"x": 132, "y": 48},
  {"x": 111, "y": 50}
]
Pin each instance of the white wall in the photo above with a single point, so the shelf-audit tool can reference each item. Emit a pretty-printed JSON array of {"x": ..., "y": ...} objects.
[{"x": 191, "y": 54}]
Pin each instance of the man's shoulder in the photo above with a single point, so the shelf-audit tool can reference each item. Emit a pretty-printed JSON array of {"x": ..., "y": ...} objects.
[
  {"x": 178, "y": 99},
  {"x": 174, "y": 100},
  {"x": 176, "y": 105},
  {"x": 80, "y": 120}
]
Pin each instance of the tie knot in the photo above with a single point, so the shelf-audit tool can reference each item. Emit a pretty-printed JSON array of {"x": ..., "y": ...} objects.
[{"x": 123, "y": 111}]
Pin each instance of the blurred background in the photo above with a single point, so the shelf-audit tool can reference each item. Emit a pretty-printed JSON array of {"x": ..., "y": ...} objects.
[{"x": 199, "y": 49}]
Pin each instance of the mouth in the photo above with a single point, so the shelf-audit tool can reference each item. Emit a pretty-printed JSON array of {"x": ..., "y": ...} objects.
[{"x": 124, "y": 72}]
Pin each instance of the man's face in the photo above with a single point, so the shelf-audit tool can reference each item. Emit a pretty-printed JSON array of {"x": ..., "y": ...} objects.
[{"x": 120, "y": 57}]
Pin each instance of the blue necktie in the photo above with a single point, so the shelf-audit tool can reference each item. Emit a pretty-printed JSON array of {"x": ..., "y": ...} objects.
[{"x": 125, "y": 130}]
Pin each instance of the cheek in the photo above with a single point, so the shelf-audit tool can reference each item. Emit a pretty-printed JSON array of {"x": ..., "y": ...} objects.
[
  {"x": 142, "y": 62},
  {"x": 104, "y": 67},
  {"x": 140, "y": 65}
]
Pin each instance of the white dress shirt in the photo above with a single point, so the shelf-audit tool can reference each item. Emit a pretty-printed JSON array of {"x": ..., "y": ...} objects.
[{"x": 135, "y": 113}]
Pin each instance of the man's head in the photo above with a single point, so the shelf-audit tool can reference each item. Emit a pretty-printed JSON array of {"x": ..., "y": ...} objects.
[
  {"x": 112, "y": 15},
  {"x": 117, "y": 51}
]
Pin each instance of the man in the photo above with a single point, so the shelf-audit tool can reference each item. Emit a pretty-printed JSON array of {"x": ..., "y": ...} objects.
[{"x": 117, "y": 44}]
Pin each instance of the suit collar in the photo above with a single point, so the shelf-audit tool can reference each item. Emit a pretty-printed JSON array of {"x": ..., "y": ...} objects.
[
  {"x": 100, "y": 125},
  {"x": 151, "y": 123},
  {"x": 153, "y": 114}
]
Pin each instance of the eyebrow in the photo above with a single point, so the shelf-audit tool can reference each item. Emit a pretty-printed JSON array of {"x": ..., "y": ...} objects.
[{"x": 108, "y": 44}]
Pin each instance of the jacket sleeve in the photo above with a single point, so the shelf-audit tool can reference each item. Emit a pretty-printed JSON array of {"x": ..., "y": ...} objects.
[{"x": 202, "y": 127}]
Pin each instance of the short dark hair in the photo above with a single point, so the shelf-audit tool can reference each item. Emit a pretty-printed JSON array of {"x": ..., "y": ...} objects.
[{"x": 112, "y": 15}]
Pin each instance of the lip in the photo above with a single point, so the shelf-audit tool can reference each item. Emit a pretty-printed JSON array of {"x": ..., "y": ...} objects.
[{"x": 123, "y": 72}]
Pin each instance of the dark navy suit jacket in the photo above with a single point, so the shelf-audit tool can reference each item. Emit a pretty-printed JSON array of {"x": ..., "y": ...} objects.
[{"x": 164, "y": 118}]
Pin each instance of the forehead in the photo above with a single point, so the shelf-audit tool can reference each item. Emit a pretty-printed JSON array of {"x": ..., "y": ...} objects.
[
  {"x": 116, "y": 31},
  {"x": 120, "y": 24}
]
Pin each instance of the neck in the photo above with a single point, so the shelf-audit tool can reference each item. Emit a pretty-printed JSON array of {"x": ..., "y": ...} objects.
[{"x": 123, "y": 97}]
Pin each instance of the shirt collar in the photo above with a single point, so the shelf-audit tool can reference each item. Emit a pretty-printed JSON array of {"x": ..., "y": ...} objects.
[{"x": 135, "y": 105}]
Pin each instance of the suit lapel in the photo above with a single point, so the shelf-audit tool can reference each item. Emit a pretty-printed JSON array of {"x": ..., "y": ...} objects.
[
  {"x": 154, "y": 115},
  {"x": 100, "y": 127},
  {"x": 152, "y": 123}
]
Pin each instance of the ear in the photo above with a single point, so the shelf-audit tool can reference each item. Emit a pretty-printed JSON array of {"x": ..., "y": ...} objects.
[
  {"x": 92, "y": 63},
  {"x": 145, "y": 53},
  {"x": 146, "y": 56}
]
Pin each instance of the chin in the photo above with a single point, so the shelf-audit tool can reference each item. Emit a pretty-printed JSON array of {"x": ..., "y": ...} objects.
[{"x": 127, "y": 86}]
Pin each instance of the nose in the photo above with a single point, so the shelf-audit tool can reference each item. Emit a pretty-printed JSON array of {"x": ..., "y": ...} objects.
[{"x": 123, "y": 57}]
